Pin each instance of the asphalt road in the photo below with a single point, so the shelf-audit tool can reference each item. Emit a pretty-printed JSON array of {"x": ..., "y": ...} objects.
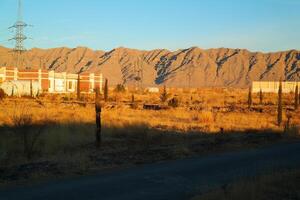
[{"x": 168, "y": 180}]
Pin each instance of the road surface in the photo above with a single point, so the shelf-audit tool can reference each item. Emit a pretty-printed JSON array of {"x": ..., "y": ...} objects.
[{"x": 179, "y": 179}]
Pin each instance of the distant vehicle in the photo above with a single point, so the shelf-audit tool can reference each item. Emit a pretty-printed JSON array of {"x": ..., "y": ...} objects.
[{"x": 153, "y": 89}]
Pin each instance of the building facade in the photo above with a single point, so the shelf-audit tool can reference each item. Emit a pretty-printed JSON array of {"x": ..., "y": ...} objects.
[
  {"x": 273, "y": 86},
  {"x": 53, "y": 82}
]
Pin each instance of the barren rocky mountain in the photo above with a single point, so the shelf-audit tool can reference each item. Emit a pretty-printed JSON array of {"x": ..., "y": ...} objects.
[{"x": 193, "y": 67}]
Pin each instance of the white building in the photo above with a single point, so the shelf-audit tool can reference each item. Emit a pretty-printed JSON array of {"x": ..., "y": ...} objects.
[{"x": 273, "y": 86}]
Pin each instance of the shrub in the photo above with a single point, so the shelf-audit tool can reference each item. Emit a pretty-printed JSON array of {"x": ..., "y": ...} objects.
[
  {"x": 23, "y": 126},
  {"x": 2, "y": 94},
  {"x": 120, "y": 88},
  {"x": 134, "y": 105},
  {"x": 21, "y": 120},
  {"x": 28, "y": 130},
  {"x": 164, "y": 95},
  {"x": 206, "y": 117},
  {"x": 174, "y": 102},
  {"x": 65, "y": 98},
  {"x": 203, "y": 117}
]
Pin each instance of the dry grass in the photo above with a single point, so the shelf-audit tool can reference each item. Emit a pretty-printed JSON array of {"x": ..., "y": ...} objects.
[
  {"x": 62, "y": 130},
  {"x": 277, "y": 186}
]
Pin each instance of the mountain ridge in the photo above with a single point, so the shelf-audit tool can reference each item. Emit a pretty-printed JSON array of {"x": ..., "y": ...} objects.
[{"x": 191, "y": 67}]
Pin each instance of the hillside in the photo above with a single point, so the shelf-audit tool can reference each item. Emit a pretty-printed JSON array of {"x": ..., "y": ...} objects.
[{"x": 192, "y": 67}]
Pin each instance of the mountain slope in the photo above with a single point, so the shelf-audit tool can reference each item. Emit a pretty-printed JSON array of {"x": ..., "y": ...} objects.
[{"x": 193, "y": 67}]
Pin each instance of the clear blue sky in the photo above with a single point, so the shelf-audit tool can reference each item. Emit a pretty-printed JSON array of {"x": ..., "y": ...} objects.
[{"x": 258, "y": 25}]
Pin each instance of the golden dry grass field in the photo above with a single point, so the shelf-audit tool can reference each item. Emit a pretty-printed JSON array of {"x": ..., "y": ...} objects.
[{"x": 54, "y": 135}]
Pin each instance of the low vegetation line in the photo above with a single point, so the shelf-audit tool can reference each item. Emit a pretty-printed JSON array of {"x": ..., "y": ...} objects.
[{"x": 59, "y": 135}]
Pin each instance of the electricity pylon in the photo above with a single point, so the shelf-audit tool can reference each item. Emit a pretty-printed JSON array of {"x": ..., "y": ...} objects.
[
  {"x": 19, "y": 37},
  {"x": 139, "y": 73},
  {"x": 189, "y": 75}
]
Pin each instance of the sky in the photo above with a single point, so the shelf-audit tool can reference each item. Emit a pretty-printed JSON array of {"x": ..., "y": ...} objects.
[{"x": 257, "y": 25}]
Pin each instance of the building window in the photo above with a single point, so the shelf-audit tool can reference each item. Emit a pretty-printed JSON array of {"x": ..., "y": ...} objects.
[{"x": 70, "y": 85}]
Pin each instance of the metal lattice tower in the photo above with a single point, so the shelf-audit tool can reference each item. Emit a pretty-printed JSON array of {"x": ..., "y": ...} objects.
[
  {"x": 139, "y": 73},
  {"x": 19, "y": 37},
  {"x": 190, "y": 75}
]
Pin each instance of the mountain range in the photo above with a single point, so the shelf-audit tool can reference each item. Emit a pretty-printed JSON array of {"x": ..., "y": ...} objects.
[{"x": 192, "y": 67}]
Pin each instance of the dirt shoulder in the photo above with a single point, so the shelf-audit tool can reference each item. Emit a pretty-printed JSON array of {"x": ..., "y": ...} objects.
[{"x": 277, "y": 186}]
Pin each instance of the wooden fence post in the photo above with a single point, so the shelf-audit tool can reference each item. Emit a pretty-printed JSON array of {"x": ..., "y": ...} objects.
[
  {"x": 98, "y": 120},
  {"x": 279, "y": 104},
  {"x": 31, "y": 92},
  {"x": 287, "y": 125},
  {"x": 78, "y": 88},
  {"x": 222, "y": 131}
]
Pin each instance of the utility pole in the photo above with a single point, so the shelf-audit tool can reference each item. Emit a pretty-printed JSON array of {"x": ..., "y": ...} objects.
[
  {"x": 140, "y": 74},
  {"x": 19, "y": 37},
  {"x": 136, "y": 74},
  {"x": 42, "y": 63},
  {"x": 190, "y": 75},
  {"x": 66, "y": 63}
]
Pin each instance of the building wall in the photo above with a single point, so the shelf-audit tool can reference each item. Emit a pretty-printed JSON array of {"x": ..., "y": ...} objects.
[
  {"x": 273, "y": 87},
  {"x": 50, "y": 81},
  {"x": 20, "y": 88}
]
